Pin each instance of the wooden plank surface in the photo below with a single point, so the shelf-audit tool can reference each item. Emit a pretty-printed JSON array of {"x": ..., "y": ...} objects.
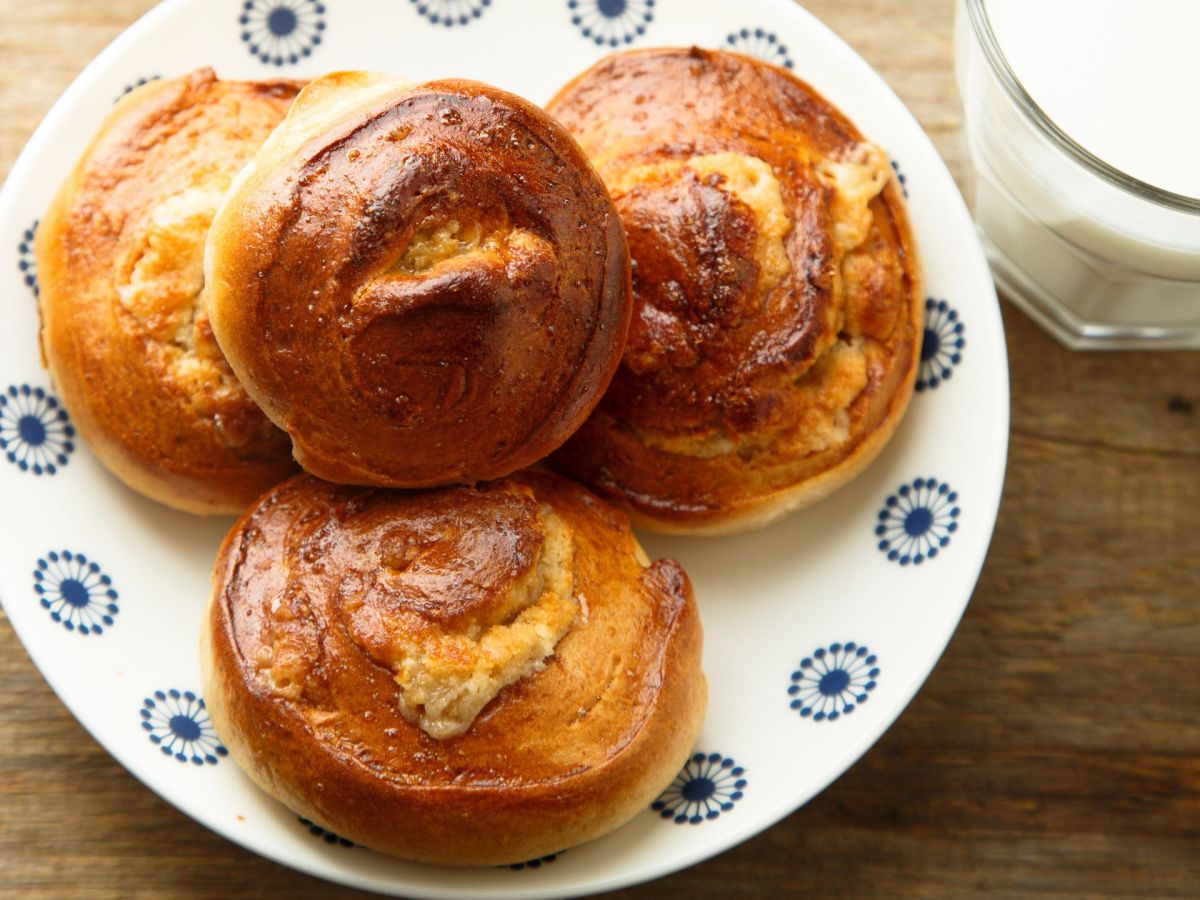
[{"x": 1055, "y": 750}]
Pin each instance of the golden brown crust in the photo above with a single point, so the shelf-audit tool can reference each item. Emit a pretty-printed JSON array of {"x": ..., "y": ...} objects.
[
  {"x": 325, "y": 581},
  {"x": 424, "y": 284},
  {"x": 125, "y": 331},
  {"x": 776, "y": 328}
]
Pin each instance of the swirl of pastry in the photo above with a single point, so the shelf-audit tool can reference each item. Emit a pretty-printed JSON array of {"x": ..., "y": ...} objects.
[
  {"x": 468, "y": 675},
  {"x": 423, "y": 284},
  {"x": 777, "y": 321},
  {"x": 125, "y": 325}
]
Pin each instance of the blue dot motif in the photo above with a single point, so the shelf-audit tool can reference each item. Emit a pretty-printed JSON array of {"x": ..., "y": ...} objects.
[
  {"x": 449, "y": 13},
  {"x": 900, "y": 177},
  {"x": 36, "y": 434},
  {"x": 762, "y": 44},
  {"x": 611, "y": 23},
  {"x": 708, "y": 785},
  {"x": 536, "y": 863},
  {"x": 133, "y": 86},
  {"x": 324, "y": 834},
  {"x": 833, "y": 681},
  {"x": 917, "y": 521},
  {"x": 282, "y": 32},
  {"x": 942, "y": 344},
  {"x": 26, "y": 261},
  {"x": 178, "y": 725},
  {"x": 75, "y": 591}
]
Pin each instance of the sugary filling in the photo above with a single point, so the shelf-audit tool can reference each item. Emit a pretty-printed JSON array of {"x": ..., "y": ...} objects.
[
  {"x": 819, "y": 417},
  {"x": 443, "y": 241},
  {"x": 857, "y": 179},
  {"x": 165, "y": 286},
  {"x": 163, "y": 301},
  {"x": 749, "y": 180},
  {"x": 445, "y": 673}
]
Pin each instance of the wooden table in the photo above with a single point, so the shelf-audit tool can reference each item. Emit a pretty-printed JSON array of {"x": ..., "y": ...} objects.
[{"x": 1055, "y": 750}]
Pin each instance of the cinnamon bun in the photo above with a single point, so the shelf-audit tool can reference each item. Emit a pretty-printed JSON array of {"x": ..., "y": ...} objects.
[
  {"x": 423, "y": 284},
  {"x": 465, "y": 675},
  {"x": 125, "y": 324},
  {"x": 777, "y": 324}
]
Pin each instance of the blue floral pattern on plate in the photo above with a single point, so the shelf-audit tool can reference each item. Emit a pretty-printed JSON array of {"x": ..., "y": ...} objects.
[
  {"x": 75, "y": 591},
  {"x": 941, "y": 345},
  {"x": 130, "y": 88},
  {"x": 833, "y": 682},
  {"x": 280, "y": 32},
  {"x": 536, "y": 863},
  {"x": 900, "y": 177},
  {"x": 760, "y": 43},
  {"x": 179, "y": 726},
  {"x": 36, "y": 434},
  {"x": 611, "y": 23},
  {"x": 916, "y": 522},
  {"x": 324, "y": 834},
  {"x": 451, "y": 12},
  {"x": 708, "y": 785},
  {"x": 26, "y": 262}
]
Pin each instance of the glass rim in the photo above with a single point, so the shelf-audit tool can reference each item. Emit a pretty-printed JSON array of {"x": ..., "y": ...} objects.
[{"x": 981, "y": 24}]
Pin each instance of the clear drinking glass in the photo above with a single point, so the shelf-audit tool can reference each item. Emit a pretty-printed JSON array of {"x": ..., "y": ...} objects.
[{"x": 1100, "y": 259}]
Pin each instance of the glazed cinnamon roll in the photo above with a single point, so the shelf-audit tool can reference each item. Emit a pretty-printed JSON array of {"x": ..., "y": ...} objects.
[
  {"x": 776, "y": 331},
  {"x": 469, "y": 675},
  {"x": 423, "y": 284},
  {"x": 125, "y": 326}
]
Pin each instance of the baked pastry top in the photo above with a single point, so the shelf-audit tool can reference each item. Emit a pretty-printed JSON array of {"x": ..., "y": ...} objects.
[
  {"x": 125, "y": 328},
  {"x": 468, "y": 675},
  {"x": 423, "y": 284},
  {"x": 776, "y": 330}
]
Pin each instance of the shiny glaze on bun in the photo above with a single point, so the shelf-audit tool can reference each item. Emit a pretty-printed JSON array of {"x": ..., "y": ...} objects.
[
  {"x": 777, "y": 322},
  {"x": 423, "y": 284},
  {"x": 125, "y": 324},
  {"x": 466, "y": 675}
]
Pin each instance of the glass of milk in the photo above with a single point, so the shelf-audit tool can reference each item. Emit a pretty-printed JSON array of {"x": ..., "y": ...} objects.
[{"x": 1083, "y": 120}]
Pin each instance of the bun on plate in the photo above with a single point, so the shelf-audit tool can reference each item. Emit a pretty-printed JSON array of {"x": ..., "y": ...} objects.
[
  {"x": 777, "y": 325},
  {"x": 468, "y": 675},
  {"x": 125, "y": 318},
  {"x": 423, "y": 284}
]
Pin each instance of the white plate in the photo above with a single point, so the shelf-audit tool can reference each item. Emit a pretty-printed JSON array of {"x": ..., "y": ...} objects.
[{"x": 818, "y": 630}]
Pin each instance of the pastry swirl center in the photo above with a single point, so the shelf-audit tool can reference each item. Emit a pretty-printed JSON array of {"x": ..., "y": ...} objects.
[
  {"x": 444, "y": 241},
  {"x": 457, "y": 596},
  {"x": 748, "y": 182},
  {"x": 420, "y": 328},
  {"x": 162, "y": 302}
]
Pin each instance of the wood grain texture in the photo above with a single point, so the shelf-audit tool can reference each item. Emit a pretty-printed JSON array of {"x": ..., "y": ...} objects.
[{"x": 1054, "y": 751}]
